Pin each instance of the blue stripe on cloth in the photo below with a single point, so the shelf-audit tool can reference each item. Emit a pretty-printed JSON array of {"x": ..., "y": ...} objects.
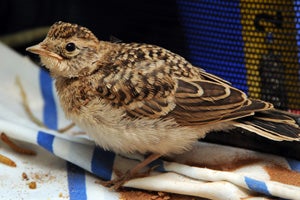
[
  {"x": 257, "y": 186},
  {"x": 294, "y": 164},
  {"x": 45, "y": 140},
  {"x": 102, "y": 163},
  {"x": 50, "y": 112},
  {"x": 76, "y": 180},
  {"x": 76, "y": 176}
]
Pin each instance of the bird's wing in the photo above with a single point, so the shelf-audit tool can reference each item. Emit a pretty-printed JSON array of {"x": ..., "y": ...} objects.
[
  {"x": 206, "y": 101},
  {"x": 150, "y": 90},
  {"x": 147, "y": 91},
  {"x": 195, "y": 101}
]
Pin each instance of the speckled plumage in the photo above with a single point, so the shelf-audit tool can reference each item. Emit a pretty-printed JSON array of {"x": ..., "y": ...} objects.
[{"x": 144, "y": 98}]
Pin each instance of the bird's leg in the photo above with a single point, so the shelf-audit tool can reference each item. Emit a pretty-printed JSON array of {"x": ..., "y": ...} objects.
[
  {"x": 132, "y": 173},
  {"x": 144, "y": 163}
]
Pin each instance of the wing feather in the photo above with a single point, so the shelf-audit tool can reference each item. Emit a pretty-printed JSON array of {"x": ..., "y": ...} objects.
[
  {"x": 171, "y": 88},
  {"x": 198, "y": 100}
]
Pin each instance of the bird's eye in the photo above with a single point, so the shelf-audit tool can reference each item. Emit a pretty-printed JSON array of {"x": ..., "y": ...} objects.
[{"x": 70, "y": 47}]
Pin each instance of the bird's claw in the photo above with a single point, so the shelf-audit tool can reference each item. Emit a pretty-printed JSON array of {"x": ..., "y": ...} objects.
[{"x": 122, "y": 178}]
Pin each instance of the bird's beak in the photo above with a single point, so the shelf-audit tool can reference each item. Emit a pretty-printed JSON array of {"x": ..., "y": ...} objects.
[{"x": 40, "y": 50}]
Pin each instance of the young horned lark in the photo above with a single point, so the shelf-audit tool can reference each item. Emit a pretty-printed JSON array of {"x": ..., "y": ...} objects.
[{"x": 144, "y": 98}]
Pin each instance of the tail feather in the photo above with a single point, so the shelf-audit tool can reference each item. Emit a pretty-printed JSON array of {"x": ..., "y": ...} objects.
[
  {"x": 278, "y": 116},
  {"x": 273, "y": 124}
]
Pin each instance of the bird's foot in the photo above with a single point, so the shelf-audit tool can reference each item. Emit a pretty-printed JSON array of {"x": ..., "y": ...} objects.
[
  {"x": 135, "y": 172},
  {"x": 122, "y": 178}
]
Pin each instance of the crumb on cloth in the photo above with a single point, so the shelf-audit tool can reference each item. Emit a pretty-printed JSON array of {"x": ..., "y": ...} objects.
[
  {"x": 147, "y": 195},
  {"x": 32, "y": 185}
]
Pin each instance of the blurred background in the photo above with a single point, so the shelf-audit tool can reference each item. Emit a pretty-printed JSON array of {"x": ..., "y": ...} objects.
[
  {"x": 252, "y": 44},
  {"x": 155, "y": 22}
]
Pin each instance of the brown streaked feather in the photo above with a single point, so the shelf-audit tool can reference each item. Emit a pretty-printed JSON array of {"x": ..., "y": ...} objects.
[
  {"x": 250, "y": 108},
  {"x": 272, "y": 124},
  {"x": 278, "y": 117},
  {"x": 279, "y": 132},
  {"x": 215, "y": 96},
  {"x": 198, "y": 99},
  {"x": 214, "y": 101},
  {"x": 262, "y": 132},
  {"x": 144, "y": 96}
]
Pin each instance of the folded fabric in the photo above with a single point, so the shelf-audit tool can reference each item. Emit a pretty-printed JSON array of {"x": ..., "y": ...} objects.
[{"x": 60, "y": 168}]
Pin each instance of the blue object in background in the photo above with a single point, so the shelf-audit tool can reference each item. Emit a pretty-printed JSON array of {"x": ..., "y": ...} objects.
[{"x": 213, "y": 32}]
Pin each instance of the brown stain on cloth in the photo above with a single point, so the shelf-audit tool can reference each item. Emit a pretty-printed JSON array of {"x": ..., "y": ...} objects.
[
  {"x": 283, "y": 175},
  {"x": 128, "y": 194}
]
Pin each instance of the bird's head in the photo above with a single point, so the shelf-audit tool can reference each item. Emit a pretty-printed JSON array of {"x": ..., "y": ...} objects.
[{"x": 69, "y": 50}]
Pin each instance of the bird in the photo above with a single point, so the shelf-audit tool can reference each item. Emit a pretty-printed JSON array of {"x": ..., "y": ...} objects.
[{"x": 142, "y": 98}]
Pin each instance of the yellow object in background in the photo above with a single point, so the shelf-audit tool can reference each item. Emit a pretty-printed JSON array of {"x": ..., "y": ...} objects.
[{"x": 269, "y": 33}]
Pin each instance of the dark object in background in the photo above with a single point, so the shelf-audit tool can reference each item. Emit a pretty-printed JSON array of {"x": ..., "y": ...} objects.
[
  {"x": 154, "y": 22},
  {"x": 273, "y": 79},
  {"x": 247, "y": 140}
]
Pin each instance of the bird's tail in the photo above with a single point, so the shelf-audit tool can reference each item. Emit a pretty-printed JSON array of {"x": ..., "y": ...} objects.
[{"x": 273, "y": 124}]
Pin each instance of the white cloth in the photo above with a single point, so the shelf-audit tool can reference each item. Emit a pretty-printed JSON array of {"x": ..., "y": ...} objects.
[{"x": 59, "y": 168}]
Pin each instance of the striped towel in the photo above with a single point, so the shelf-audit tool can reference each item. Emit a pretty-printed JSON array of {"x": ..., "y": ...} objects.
[{"x": 67, "y": 165}]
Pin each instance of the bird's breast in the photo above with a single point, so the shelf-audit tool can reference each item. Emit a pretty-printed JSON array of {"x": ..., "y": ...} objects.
[
  {"x": 74, "y": 95},
  {"x": 112, "y": 129}
]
